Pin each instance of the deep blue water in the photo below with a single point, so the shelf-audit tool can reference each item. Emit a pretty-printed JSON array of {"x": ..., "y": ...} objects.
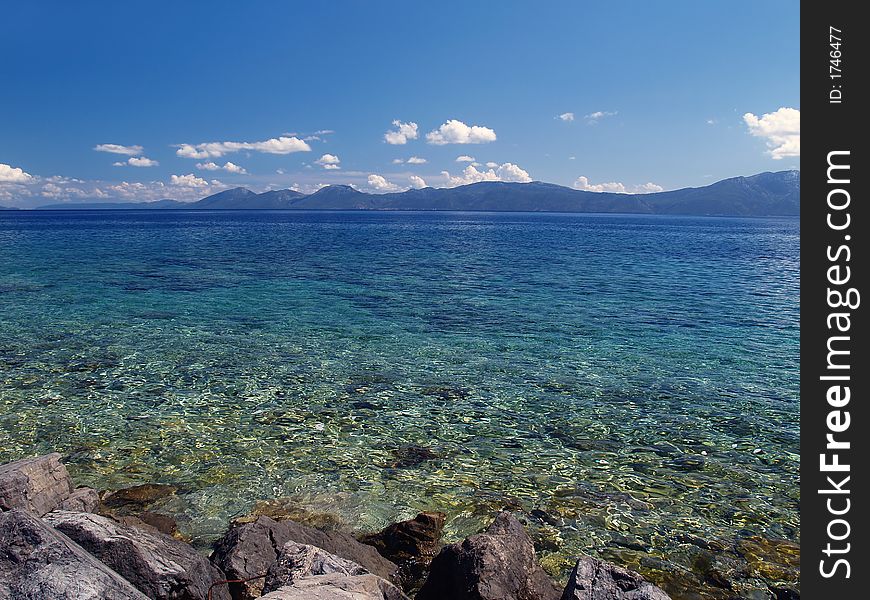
[{"x": 634, "y": 375}]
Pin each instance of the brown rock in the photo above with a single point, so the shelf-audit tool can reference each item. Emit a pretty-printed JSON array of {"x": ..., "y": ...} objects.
[{"x": 411, "y": 544}]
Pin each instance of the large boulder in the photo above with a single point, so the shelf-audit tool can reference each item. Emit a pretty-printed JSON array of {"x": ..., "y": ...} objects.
[
  {"x": 37, "y": 562},
  {"x": 499, "y": 564},
  {"x": 296, "y": 561},
  {"x": 37, "y": 485},
  {"x": 159, "y": 566},
  {"x": 249, "y": 549},
  {"x": 594, "y": 579},
  {"x": 337, "y": 586}
]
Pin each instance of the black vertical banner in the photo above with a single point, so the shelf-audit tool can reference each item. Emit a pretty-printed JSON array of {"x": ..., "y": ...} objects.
[{"x": 835, "y": 367}]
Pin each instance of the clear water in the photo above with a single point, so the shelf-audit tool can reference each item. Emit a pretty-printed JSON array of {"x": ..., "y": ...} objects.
[{"x": 579, "y": 364}]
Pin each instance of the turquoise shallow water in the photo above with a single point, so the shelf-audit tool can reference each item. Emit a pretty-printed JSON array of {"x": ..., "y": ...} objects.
[{"x": 635, "y": 376}]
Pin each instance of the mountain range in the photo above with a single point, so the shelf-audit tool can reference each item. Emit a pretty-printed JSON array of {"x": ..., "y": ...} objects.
[{"x": 765, "y": 194}]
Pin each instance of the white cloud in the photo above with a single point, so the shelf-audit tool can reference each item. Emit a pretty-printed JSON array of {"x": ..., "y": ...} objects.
[
  {"x": 583, "y": 183},
  {"x": 490, "y": 164},
  {"x": 10, "y": 174},
  {"x": 504, "y": 172},
  {"x": 228, "y": 167},
  {"x": 398, "y": 161},
  {"x": 457, "y": 132},
  {"x": 592, "y": 118},
  {"x": 710, "y": 121},
  {"x": 190, "y": 180},
  {"x": 136, "y": 161},
  {"x": 329, "y": 161},
  {"x": 648, "y": 188},
  {"x": 417, "y": 182},
  {"x": 279, "y": 145},
  {"x": 568, "y": 116},
  {"x": 416, "y": 160},
  {"x": 50, "y": 190},
  {"x": 119, "y": 149},
  {"x": 781, "y": 130},
  {"x": 402, "y": 133},
  {"x": 465, "y": 158},
  {"x": 380, "y": 184}
]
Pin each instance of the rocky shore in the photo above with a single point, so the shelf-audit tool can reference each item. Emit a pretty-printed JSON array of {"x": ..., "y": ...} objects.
[{"x": 61, "y": 542}]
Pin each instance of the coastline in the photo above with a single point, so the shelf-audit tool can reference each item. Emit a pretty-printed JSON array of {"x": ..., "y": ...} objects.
[{"x": 41, "y": 487}]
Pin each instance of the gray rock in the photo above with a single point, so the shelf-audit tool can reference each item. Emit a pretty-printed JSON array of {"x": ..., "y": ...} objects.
[
  {"x": 336, "y": 586},
  {"x": 159, "y": 566},
  {"x": 83, "y": 499},
  {"x": 499, "y": 564},
  {"x": 249, "y": 549},
  {"x": 38, "y": 562},
  {"x": 296, "y": 561},
  {"x": 594, "y": 579},
  {"x": 37, "y": 485}
]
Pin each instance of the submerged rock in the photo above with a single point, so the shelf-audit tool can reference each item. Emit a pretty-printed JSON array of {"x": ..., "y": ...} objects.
[
  {"x": 411, "y": 544},
  {"x": 137, "y": 497},
  {"x": 287, "y": 509},
  {"x": 37, "y": 485},
  {"x": 159, "y": 566},
  {"x": 496, "y": 565},
  {"x": 594, "y": 579},
  {"x": 37, "y": 561},
  {"x": 338, "y": 587},
  {"x": 411, "y": 455},
  {"x": 771, "y": 559},
  {"x": 296, "y": 561},
  {"x": 153, "y": 522},
  {"x": 249, "y": 549}
]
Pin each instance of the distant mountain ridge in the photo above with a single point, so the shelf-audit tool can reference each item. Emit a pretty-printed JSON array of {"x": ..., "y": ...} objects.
[{"x": 765, "y": 194}]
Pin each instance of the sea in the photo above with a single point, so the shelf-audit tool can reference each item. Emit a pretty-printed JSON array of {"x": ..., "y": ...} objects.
[{"x": 622, "y": 382}]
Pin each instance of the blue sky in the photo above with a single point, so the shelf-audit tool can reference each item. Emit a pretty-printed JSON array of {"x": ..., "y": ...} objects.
[{"x": 652, "y": 95}]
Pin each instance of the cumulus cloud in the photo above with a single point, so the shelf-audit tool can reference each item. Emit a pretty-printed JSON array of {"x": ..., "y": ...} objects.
[
  {"x": 190, "y": 180},
  {"x": 137, "y": 161},
  {"x": 568, "y": 116},
  {"x": 457, "y": 132},
  {"x": 781, "y": 131},
  {"x": 416, "y": 160},
  {"x": 228, "y": 167},
  {"x": 583, "y": 183},
  {"x": 402, "y": 133},
  {"x": 465, "y": 158},
  {"x": 279, "y": 145},
  {"x": 10, "y": 174},
  {"x": 119, "y": 149},
  {"x": 380, "y": 184},
  {"x": 329, "y": 161},
  {"x": 417, "y": 182},
  {"x": 471, "y": 174},
  {"x": 596, "y": 116}
]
